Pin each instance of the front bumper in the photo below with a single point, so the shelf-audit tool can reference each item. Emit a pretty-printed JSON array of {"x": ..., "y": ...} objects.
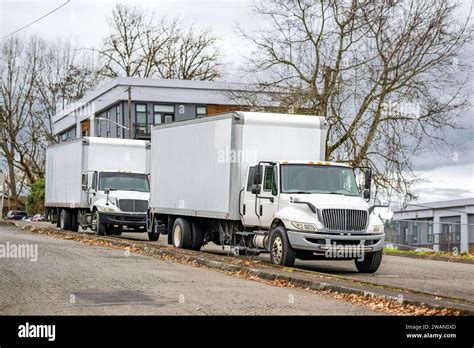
[
  {"x": 325, "y": 242},
  {"x": 128, "y": 220}
]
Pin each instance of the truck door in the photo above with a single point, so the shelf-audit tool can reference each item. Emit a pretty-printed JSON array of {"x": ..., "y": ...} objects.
[
  {"x": 247, "y": 208},
  {"x": 267, "y": 199},
  {"x": 258, "y": 210}
]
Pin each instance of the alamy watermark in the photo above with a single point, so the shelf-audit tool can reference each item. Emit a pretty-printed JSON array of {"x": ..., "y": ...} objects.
[
  {"x": 228, "y": 155},
  {"x": 345, "y": 252},
  {"x": 19, "y": 251}
]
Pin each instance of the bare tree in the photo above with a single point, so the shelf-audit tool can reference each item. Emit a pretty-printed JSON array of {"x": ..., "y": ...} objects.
[
  {"x": 385, "y": 74},
  {"x": 191, "y": 55},
  {"x": 144, "y": 45},
  {"x": 66, "y": 74},
  {"x": 20, "y": 63},
  {"x": 37, "y": 76}
]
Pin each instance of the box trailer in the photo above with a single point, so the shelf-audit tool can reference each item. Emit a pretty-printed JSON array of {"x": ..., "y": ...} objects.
[
  {"x": 259, "y": 182},
  {"x": 98, "y": 183}
]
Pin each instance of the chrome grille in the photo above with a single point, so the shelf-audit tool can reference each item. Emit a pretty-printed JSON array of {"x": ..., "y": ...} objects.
[
  {"x": 344, "y": 219},
  {"x": 133, "y": 205}
]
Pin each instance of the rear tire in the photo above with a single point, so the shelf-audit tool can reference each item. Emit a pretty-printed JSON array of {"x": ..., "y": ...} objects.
[
  {"x": 370, "y": 263},
  {"x": 197, "y": 237},
  {"x": 154, "y": 235},
  {"x": 64, "y": 220},
  {"x": 74, "y": 225},
  {"x": 281, "y": 252},
  {"x": 182, "y": 234}
]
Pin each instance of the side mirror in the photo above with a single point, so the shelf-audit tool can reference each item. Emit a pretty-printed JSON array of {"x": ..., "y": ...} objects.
[
  {"x": 107, "y": 191},
  {"x": 367, "y": 184},
  {"x": 256, "y": 189}
]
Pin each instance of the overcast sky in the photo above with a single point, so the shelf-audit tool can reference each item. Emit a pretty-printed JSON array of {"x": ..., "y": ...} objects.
[{"x": 446, "y": 173}]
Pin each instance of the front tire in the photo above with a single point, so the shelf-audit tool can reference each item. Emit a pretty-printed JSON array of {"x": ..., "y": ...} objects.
[
  {"x": 370, "y": 263},
  {"x": 281, "y": 252},
  {"x": 182, "y": 234},
  {"x": 99, "y": 227}
]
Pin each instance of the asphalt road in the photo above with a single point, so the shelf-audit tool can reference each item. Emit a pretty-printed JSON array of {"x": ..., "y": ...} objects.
[
  {"x": 73, "y": 278},
  {"x": 435, "y": 277},
  {"x": 441, "y": 278}
]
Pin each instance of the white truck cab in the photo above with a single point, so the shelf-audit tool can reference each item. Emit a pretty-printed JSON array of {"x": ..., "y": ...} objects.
[
  {"x": 99, "y": 183},
  {"x": 118, "y": 200},
  {"x": 318, "y": 203}
]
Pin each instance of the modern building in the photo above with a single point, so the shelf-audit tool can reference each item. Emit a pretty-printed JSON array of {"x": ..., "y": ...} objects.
[
  {"x": 442, "y": 226},
  {"x": 104, "y": 111}
]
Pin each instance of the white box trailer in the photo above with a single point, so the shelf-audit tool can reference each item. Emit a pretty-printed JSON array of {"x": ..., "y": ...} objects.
[
  {"x": 259, "y": 182},
  {"x": 101, "y": 183},
  {"x": 217, "y": 151}
]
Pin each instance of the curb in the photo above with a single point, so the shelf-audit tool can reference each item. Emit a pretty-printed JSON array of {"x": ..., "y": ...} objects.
[
  {"x": 273, "y": 273},
  {"x": 430, "y": 257}
]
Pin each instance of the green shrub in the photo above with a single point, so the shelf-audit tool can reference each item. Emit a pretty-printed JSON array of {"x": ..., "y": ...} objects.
[{"x": 35, "y": 201}]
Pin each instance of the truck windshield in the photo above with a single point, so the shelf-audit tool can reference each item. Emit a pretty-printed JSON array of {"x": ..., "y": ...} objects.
[
  {"x": 124, "y": 182},
  {"x": 304, "y": 178}
]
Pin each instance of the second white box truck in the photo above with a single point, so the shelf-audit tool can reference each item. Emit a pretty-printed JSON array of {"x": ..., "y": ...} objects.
[
  {"x": 259, "y": 182},
  {"x": 98, "y": 183}
]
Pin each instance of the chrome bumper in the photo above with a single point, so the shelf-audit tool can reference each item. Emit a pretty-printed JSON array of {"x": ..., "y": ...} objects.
[{"x": 324, "y": 242}]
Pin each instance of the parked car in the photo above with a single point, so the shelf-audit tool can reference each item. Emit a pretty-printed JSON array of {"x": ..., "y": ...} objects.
[
  {"x": 15, "y": 215},
  {"x": 38, "y": 217},
  {"x": 26, "y": 218}
]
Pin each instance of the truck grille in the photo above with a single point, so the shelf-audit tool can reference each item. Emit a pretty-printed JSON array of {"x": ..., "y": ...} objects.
[
  {"x": 133, "y": 205},
  {"x": 344, "y": 219}
]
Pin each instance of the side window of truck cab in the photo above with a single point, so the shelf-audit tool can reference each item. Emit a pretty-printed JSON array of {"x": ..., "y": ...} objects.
[
  {"x": 251, "y": 177},
  {"x": 94, "y": 181},
  {"x": 270, "y": 180}
]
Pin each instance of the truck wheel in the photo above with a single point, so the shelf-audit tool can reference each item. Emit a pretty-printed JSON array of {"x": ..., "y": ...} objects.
[
  {"x": 154, "y": 235},
  {"x": 182, "y": 234},
  {"x": 197, "y": 238},
  {"x": 281, "y": 252},
  {"x": 99, "y": 228},
  {"x": 74, "y": 225},
  {"x": 64, "y": 219},
  {"x": 370, "y": 263},
  {"x": 58, "y": 216}
]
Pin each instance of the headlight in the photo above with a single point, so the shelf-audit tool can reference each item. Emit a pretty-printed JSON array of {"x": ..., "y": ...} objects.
[
  {"x": 377, "y": 229},
  {"x": 106, "y": 209},
  {"x": 304, "y": 227}
]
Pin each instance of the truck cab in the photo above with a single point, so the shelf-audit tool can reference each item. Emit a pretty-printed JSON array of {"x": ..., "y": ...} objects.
[
  {"x": 118, "y": 200},
  {"x": 311, "y": 210}
]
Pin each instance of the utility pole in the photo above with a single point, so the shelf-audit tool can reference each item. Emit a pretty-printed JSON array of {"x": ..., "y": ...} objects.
[{"x": 129, "y": 112}]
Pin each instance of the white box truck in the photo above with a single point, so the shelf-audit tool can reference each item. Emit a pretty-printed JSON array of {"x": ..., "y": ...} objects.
[
  {"x": 98, "y": 183},
  {"x": 259, "y": 183}
]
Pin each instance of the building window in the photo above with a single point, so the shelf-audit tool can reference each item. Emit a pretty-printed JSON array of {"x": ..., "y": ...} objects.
[
  {"x": 457, "y": 233},
  {"x": 414, "y": 234},
  {"x": 141, "y": 124},
  {"x": 107, "y": 116},
  {"x": 201, "y": 111},
  {"x": 118, "y": 122},
  {"x": 99, "y": 129},
  {"x": 163, "y": 114},
  {"x": 430, "y": 233}
]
